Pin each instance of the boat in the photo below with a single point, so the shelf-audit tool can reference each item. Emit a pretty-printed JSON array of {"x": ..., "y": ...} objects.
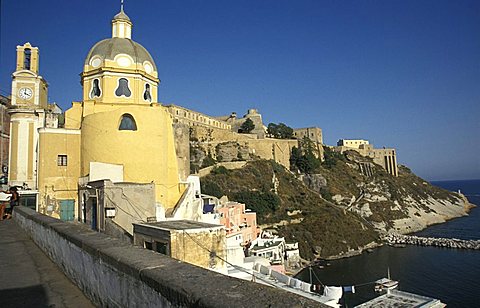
[{"x": 385, "y": 283}]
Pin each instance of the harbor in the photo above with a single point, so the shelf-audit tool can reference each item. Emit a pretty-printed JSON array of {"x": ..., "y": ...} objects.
[{"x": 436, "y": 272}]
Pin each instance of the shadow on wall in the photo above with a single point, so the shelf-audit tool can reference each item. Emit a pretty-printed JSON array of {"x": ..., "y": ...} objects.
[{"x": 34, "y": 296}]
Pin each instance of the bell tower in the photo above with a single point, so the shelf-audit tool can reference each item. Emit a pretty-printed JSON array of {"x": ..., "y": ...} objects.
[
  {"x": 28, "y": 87},
  {"x": 27, "y": 58},
  {"x": 27, "y": 114}
]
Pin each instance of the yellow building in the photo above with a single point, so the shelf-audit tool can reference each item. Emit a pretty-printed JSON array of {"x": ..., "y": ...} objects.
[{"x": 119, "y": 131}]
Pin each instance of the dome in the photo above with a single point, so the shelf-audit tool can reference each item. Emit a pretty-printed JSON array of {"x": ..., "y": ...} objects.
[{"x": 109, "y": 48}]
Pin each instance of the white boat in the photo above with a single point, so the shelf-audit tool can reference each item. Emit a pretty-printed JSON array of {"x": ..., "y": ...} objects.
[{"x": 385, "y": 284}]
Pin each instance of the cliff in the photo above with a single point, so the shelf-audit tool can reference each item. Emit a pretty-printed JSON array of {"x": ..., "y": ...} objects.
[
  {"x": 402, "y": 204},
  {"x": 342, "y": 208}
]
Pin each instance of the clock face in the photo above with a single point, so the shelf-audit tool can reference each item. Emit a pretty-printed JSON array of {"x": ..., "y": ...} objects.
[{"x": 25, "y": 93}]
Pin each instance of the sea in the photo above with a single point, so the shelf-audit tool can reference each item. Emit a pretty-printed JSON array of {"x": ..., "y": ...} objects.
[{"x": 451, "y": 275}]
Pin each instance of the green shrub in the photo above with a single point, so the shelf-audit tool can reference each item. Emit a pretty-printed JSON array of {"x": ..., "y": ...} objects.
[
  {"x": 211, "y": 188},
  {"x": 260, "y": 202},
  {"x": 247, "y": 127},
  {"x": 280, "y": 131}
]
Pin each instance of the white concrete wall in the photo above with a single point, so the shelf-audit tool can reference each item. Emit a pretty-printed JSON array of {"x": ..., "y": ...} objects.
[
  {"x": 115, "y": 274},
  {"x": 102, "y": 283}
]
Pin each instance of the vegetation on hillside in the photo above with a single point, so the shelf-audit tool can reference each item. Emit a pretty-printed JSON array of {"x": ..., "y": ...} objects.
[
  {"x": 305, "y": 158},
  {"x": 316, "y": 224},
  {"x": 338, "y": 214}
]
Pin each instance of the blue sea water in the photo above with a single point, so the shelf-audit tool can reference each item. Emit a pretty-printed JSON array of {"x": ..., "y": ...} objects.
[{"x": 451, "y": 275}]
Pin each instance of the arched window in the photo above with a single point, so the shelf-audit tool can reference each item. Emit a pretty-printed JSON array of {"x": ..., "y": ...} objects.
[
  {"x": 122, "y": 88},
  {"x": 96, "y": 92},
  {"x": 27, "y": 58},
  {"x": 146, "y": 94},
  {"x": 127, "y": 122}
]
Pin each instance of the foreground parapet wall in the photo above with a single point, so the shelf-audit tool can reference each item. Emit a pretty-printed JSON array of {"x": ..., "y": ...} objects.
[{"x": 114, "y": 274}]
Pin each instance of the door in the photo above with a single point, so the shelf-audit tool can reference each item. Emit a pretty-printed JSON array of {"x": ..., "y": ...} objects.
[
  {"x": 94, "y": 214},
  {"x": 67, "y": 210}
]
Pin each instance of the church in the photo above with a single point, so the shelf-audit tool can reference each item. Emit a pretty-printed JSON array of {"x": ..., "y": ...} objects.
[{"x": 118, "y": 133}]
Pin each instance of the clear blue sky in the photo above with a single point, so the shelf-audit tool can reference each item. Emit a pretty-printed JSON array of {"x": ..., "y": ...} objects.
[{"x": 403, "y": 74}]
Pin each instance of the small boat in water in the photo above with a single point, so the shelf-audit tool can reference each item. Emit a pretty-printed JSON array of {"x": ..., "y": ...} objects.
[{"x": 385, "y": 284}]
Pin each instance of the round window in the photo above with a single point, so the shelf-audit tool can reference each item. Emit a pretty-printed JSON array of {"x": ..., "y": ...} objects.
[
  {"x": 95, "y": 62},
  {"x": 124, "y": 61}
]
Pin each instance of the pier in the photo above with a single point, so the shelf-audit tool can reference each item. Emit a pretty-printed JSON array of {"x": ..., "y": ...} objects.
[{"x": 398, "y": 239}]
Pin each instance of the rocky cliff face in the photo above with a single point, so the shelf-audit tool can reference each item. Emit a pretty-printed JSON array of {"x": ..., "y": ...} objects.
[
  {"x": 402, "y": 204},
  {"x": 341, "y": 209}
]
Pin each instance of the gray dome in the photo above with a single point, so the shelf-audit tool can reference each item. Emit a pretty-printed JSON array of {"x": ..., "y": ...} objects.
[{"x": 109, "y": 48}]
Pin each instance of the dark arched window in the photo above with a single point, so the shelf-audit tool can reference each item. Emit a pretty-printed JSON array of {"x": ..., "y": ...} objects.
[
  {"x": 27, "y": 53},
  {"x": 127, "y": 122},
  {"x": 146, "y": 94},
  {"x": 122, "y": 88},
  {"x": 96, "y": 92}
]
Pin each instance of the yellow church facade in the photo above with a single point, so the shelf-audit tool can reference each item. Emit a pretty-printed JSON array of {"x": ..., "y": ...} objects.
[{"x": 118, "y": 131}]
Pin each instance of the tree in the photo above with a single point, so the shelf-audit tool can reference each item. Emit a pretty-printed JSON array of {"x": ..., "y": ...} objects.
[
  {"x": 304, "y": 159},
  {"x": 280, "y": 131},
  {"x": 295, "y": 157},
  {"x": 247, "y": 126}
]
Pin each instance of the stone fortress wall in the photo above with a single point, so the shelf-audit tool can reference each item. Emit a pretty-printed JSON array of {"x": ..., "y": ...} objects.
[
  {"x": 210, "y": 132},
  {"x": 216, "y": 135},
  {"x": 253, "y": 115},
  {"x": 229, "y": 143},
  {"x": 314, "y": 133},
  {"x": 194, "y": 118}
]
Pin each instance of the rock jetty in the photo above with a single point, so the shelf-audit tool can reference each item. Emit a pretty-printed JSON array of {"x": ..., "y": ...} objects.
[{"x": 398, "y": 239}]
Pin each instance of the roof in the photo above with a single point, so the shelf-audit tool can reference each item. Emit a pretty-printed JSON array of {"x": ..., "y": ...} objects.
[
  {"x": 121, "y": 16},
  {"x": 181, "y": 225},
  {"x": 403, "y": 299},
  {"x": 269, "y": 244},
  {"x": 109, "y": 48}
]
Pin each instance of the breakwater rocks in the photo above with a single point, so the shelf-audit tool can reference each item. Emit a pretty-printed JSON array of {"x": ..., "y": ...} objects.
[{"x": 398, "y": 239}]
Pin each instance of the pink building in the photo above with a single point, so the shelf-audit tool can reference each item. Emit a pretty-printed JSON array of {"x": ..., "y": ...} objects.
[{"x": 239, "y": 221}]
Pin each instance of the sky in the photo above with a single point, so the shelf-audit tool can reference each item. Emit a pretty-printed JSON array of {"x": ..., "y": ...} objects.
[{"x": 402, "y": 74}]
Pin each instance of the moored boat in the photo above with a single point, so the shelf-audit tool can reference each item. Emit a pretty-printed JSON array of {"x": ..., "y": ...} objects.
[{"x": 385, "y": 284}]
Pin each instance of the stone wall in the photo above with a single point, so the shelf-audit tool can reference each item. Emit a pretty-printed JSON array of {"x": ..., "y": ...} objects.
[
  {"x": 193, "y": 118},
  {"x": 313, "y": 133},
  {"x": 254, "y": 116},
  {"x": 268, "y": 148},
  {"x": 114, "y": 274},
  {"x": 228, "y": 165}
]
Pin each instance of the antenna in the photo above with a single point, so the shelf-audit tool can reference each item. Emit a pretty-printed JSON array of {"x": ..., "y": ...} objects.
[{"x": 121, "y": 5}]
